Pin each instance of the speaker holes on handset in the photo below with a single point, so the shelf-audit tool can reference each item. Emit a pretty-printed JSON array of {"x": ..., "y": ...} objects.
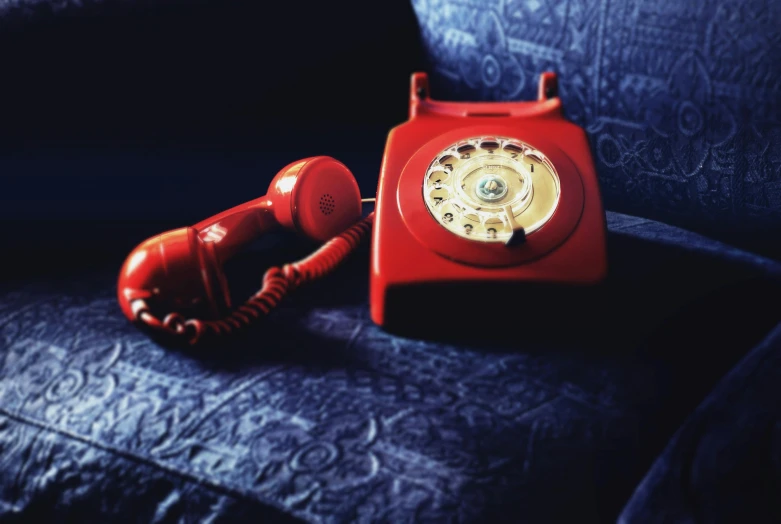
[{"x": 327, "y": 204}]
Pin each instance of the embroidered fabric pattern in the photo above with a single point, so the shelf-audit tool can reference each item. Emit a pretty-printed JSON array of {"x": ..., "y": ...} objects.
[
  {"x": 327, "y": 418},
  {"x": 682, "y": 102}
]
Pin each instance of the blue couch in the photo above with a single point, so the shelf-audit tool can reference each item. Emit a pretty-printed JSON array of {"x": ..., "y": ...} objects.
[{"x": 656, "y": 403}]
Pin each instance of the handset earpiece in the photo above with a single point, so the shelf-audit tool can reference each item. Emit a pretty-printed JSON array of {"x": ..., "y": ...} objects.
[
  {"x": 181, "y": 271},
  {"x": 318, "y": 197}
]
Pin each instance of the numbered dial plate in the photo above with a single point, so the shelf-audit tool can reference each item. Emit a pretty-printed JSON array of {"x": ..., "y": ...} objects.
[{"x": 491, "y": 189}]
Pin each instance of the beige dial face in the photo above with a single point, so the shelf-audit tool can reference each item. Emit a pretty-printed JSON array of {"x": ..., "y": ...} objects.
[{"x": 491, "y": 189}]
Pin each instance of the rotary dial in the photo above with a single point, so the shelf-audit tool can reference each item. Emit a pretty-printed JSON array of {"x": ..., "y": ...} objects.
[{"x": 491, "y": 189}]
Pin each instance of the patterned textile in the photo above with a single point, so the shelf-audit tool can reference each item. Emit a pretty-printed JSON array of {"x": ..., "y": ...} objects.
[
  {"x": 324, "y": 417},
  {"x": 681, "y": 100}
]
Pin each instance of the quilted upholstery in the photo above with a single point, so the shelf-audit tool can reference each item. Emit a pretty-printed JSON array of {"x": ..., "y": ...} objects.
[
  {"x": 681, "y": 100},
  {"x": 324, "y": 417},
  {"x": 320, "y": 416}
]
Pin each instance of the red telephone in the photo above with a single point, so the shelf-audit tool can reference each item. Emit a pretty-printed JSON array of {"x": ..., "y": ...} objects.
[{"x": 471, "y": 197}]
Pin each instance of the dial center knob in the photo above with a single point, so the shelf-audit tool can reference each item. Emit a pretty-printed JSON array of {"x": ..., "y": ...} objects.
[{"x": 491, "y": 188}]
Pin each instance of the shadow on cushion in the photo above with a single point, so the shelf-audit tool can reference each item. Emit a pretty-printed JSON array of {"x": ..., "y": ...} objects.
[{"x": 320, "y": 414}]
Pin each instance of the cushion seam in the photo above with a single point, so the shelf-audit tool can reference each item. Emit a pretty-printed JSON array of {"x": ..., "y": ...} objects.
[{"x": 187, "y": 476}]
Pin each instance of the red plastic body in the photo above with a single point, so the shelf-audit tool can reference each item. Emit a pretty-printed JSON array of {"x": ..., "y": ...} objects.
[
  {"x": 412, "y": 254},
  {"x": 181, "y": 271}
]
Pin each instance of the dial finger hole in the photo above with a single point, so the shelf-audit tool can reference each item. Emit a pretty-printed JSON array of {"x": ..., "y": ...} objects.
[
  {"x": 447, "y": 213},
  {"x": 446, "y": 159},
  {"x": 446, "y": 163},
  {"x": 533, "y": 153},
  {"x": 439, "y": 196},
  {"x": 438, "y": 179},
  {"x": 473, "y": 229},
  {"x": 466, "y": 151},
  {"x": 513, "y": 149},
  {"x": 489, "y": 144}
]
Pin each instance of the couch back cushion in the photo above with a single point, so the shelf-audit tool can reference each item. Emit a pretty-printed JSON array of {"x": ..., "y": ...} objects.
[{"x": 681, "y": 102}]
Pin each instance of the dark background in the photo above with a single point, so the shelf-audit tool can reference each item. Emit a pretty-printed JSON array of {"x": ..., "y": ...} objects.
[{"x": 123, "y": 118}]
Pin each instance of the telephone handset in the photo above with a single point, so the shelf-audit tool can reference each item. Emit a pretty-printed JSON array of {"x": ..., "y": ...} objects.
[
  {"x": 174, "y": 284},
  {"x": 472, "y": 196}
]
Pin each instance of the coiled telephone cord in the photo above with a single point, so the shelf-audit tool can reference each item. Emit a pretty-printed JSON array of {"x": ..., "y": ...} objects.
[{"x": 277, "y": 283}]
